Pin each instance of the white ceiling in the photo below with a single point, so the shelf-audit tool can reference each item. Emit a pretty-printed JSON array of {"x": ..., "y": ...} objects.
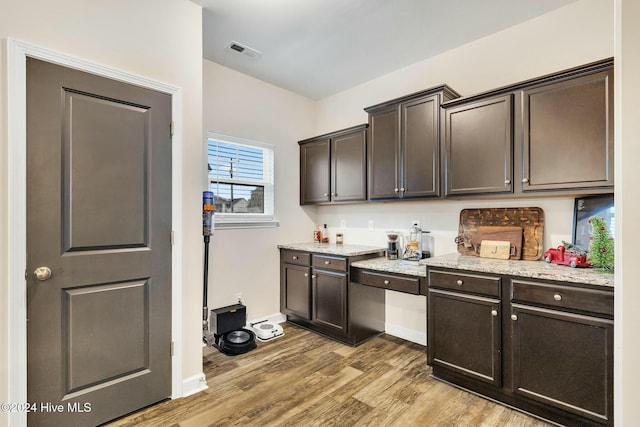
[{"x": 320, "y": 47}]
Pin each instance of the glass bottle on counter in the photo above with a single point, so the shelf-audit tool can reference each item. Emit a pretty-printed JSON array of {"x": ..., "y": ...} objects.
[
  {"x": 317, "y": 234},
  {"x": 325, "y": 234}
]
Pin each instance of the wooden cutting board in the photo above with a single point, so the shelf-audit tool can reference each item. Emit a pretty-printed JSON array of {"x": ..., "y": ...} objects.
[
  {"x": 530, "y": 219},
  {"x": 510, "y": 234}
]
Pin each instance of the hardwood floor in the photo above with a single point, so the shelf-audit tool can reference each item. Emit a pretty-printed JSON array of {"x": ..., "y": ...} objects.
[{"x": 303, "y": 379}]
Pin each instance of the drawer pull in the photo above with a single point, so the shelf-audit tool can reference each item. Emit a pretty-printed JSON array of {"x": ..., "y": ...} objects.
[
  {"x": 459, "y": 282},
  {"x": 494, "y": 313},
  {"x": 327, "y": 262},
  {"x": 514, "y": 317},
  {"x": 396, "y": 190},
  {"x": 557, "y": 297},
  {"x": 295, "y": 257},
  {"x": 386, "y": 282}
]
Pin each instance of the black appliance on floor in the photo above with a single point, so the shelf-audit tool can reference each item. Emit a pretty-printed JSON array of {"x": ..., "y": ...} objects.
[{"x": 230, "y": 336}]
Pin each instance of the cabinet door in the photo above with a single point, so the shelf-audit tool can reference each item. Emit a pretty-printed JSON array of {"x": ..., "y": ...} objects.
[
  {"x": 349, "y": 167},
  {"x": 314, "y": 172},
  {"x": 420, "y": 148},
  {"x": 383, "y": 154},
  {"x": 478, "y": 147},
  {"x": 568, "y": 134},
  {"x": 564, "y": 360},
  {"x": 464, "y": 335},
  {"x": 296, "y": 290},
  {"x": 330, "y": 299}
]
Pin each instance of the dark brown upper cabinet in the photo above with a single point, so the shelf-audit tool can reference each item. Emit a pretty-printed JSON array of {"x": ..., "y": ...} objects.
[
  {"x": 567, "y": 133},
  {"x": 404, "y": 145},
  {"x": 478, "y": 147},
  {"x": 549, "y": 134},
  {"x": 333, "y": 167}
]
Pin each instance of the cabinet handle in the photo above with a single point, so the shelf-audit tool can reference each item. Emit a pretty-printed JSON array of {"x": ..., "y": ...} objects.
[
  {"x": 403, "y": 189},
  {"x": 507, "y": 181},
  {"x": 306, "y": 274},
  {"x": 557, "y": 297},
  {"x": 396, "y": 189},
  {"x": 313, "y": 276},
  {"x": 459, "y": 282},
  {"x": 514, "y": 317},
  {"x": 494, "y": 313},
  {"x": 525, "y": 180},
  {"x": 333, "y": 194},
  {"x": 386, "y": 282},
  {"x": 327, "y": 262},
  {"x": 326, "y": 194},
  {"x": 295, "y": 257}
]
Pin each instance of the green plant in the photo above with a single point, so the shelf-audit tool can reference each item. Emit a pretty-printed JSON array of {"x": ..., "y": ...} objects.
[{"x": 601, "y": 246}]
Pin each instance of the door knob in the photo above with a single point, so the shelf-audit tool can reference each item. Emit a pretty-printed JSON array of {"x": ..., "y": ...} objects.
[{"x": 42, "y": 273}]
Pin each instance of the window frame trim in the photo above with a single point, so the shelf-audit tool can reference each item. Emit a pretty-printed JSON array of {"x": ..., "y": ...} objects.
[{"x": 247, "y": 220}]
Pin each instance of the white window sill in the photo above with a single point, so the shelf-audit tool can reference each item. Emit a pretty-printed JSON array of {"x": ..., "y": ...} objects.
[{"x": 230, "y": 224}]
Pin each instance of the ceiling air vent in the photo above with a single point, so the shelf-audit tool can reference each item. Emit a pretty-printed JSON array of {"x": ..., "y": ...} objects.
[{"x": 243, "y": 49}]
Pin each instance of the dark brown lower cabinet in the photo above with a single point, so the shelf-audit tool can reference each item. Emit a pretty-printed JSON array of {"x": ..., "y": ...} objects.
[
  {"x": 330, "y": 298},
  {"x": 465, "y": 335},
  {"x": 563, "y": 360},
  {"x": 316, "y": 293},
  {"x": 297, "y": 290},
  {"x": 541, "y": 346}
]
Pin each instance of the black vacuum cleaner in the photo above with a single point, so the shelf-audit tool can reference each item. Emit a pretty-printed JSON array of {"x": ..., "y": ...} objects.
[{"x": 227, "y": 333}]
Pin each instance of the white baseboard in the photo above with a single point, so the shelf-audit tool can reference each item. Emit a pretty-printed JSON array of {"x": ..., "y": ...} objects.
[
  {"x": 194, "y": 384},
  {"x": 412, "y": 335}
]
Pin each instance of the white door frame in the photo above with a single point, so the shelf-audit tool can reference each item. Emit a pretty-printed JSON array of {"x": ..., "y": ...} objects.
[{"x": 17, "y": 52}]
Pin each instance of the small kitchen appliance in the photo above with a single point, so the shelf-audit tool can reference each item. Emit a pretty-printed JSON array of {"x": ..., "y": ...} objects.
[
  {"x": 426, "y": 244},
  {"x": 393, "y": 245},
  {"x": 413, "y": 248},
  {"x": 227, "y": 325}
]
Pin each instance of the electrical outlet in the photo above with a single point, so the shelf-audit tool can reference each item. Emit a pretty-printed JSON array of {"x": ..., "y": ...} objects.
[
  {"x": 415, "y": 223},
  {"x": 343, "y": 224},
  {"x": 370, "y": 225}
]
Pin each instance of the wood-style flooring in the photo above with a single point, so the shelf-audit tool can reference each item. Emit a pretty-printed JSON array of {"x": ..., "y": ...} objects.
[{"x": 303, "y": 379}]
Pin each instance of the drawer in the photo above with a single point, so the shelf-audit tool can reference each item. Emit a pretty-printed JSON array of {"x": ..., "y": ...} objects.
[
  {"x": 389, "y": 281},
  {"x": 329, "y": 262},
  {"x": 295, "y": 257},
  {"x": 568, "y": 297},
  {"x": 472, "y": 283}
]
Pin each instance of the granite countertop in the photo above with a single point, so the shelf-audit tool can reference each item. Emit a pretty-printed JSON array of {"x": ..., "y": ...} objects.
[
  {"x": 391, "y": 266},
  {"x": 521, "y": 268},
  {"x": 332, "y": 248}
]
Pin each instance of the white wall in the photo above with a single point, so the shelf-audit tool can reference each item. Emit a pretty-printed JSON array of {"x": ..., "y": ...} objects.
[
  {"x": 579, "y": 33},
  {"x": 627, "y": 315},
  {"x": 247, "y": 261},
  {"x": 160, "y": 40}
]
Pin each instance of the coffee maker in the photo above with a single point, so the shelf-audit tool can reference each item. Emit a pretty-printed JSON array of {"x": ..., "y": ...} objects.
[
  {"x": 394, "y": 246},
  {"x": 413, "y": 247}
]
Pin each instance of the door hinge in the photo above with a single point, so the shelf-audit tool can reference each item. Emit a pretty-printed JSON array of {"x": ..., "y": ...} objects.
[
  {"x": 172, "y": 348},
  {"x": 172, "y": 238},
  {"x": 171, "y": 127}
]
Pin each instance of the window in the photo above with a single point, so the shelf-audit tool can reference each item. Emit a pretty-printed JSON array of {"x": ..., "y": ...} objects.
[{"x": 240, "y": 175}]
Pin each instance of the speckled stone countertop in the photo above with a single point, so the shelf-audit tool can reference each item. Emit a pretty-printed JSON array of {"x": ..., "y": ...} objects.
[
  {"x": 532, "y": 269},
  {"x": 332, "y": 248},
  {"x": 391, "y": 266}
]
